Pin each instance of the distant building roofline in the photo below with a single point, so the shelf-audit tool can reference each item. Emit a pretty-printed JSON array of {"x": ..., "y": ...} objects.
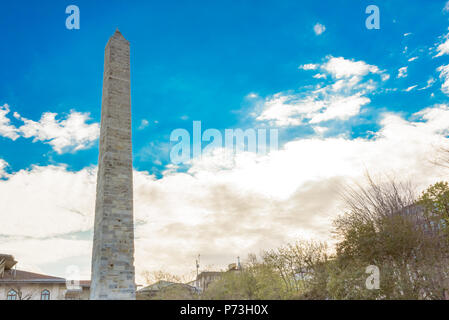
[{"x": 19, "y": 276}]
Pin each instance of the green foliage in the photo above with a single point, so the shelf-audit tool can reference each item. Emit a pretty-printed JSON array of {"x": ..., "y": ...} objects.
[
  {"x": 253, "y": 282},
  {"x": 391, "y": 233},
  {"x": 296, "y": 271},
  {"x": 175, "y": 292},
  {"x": 435, "y": 201}
]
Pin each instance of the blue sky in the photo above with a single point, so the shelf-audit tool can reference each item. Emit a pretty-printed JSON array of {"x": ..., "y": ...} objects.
[
  {"x": 224, "y": 64},
  {"x": 198, "y": 60}
]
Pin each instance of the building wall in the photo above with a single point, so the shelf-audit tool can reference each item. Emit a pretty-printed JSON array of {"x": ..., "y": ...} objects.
[
  {"x": 57, "y": 291},
  {"x": 84, "y": 295},
  {"x": 33, "y": 291}
]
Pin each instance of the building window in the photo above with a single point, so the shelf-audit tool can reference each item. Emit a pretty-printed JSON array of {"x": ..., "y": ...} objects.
[
  {"x": 12, "y": 295},
  {"x": 45, "y": 295}
]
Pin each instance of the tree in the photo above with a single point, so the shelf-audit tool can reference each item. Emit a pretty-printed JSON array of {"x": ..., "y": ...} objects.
[
  {"x": 385, "y": 226},
  {"x": 255, "y": 280},
  {"x": 166, "y": 286},
  {"x": 302, "y": 268},
  {"x": 442, "y": 158},
  {"x": 294, "y": 271},
  {"x": 435, "y": 201}
]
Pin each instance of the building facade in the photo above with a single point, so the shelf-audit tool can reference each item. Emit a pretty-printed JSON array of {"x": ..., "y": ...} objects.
[{"x": 23, "y": 285}]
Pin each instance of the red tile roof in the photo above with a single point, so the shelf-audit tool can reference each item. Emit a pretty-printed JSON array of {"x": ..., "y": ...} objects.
[{"x": 24, "y": 276}]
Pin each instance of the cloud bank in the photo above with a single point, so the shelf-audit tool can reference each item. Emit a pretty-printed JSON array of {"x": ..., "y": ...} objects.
[
  {"x": 340, "y": 99},
  {"x": 66, "y": 134},
  {"x": 220, "y": 208}
]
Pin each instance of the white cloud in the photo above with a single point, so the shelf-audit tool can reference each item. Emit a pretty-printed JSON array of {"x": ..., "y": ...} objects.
[
  {"x": 341, "y": 108},
  {"x": 344, "y": 68},
  {"x": 309, "y": 66},
  {"x": 3, "y": 165},
  {"x": 412, "y": 59},
  {"x": 320, "y": 76},
  {"x": 410, "y": 88},
  {"x": 319, "y": 28},
  {"x": 320, "y": 130},
  {"x": 252, "y": 95},
  {"x": 444, "y": 76},
  {"x": 47, "y": 201},
  {"x": 287, "y": 110},
  {"x": 220, "y": 208},
  {"x": 402, "y": 72},
  {"x": 143, "y": 124},
  {"x": 339, "y": 100},
  {"x": 430, "y": 83},
  {"x": 407, "y": 34},
  {"x": 443, "y": 48},
  {"x": 7, "y": 130},
  {"x": 446, "y": 7},
  {"x": 72, "y": 133}
]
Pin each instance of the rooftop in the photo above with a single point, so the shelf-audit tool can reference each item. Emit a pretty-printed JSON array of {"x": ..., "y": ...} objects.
[{"x": 29, "y": 277}]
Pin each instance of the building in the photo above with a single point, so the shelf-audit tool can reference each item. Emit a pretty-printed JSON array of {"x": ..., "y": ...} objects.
[
  {"x": 205, "y": 278},
  {"x": 23, "y": 285},
  {"x": 167, "y": 290}
]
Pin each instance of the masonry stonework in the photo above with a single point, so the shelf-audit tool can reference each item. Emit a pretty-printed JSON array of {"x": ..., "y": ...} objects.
[{"x": 113, "y": 275}]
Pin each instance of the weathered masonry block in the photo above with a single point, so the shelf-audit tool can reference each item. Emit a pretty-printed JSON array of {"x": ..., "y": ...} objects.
[{"x": 113, "y": 275}]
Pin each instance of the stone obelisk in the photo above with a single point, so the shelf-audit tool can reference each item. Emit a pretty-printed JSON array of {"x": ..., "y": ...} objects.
[{"x": 113, "y": 276}]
